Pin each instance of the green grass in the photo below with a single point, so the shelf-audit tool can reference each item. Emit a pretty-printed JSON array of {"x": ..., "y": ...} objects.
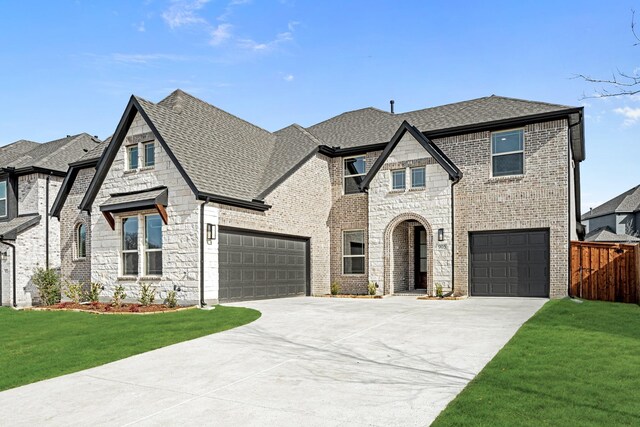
[
  {"x": 570, "y": 365},
  {"x": 35, "y": 345}
]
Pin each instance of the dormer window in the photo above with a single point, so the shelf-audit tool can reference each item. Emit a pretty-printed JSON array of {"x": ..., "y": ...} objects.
[{"x": 3, "y": 199}]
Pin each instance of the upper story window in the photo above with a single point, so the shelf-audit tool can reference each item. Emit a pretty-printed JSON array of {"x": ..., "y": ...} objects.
[
  {"x": 398, "y": 179},
  {"x": 353, "y": 252},
  {"x": 3, "y": 198},
  {"x": 149, "y": 154},
  {"x": 507, "y": 153},
  {"x": 354, "y": 172},
  {"x": 132, "y": 157},
  {"x": 81, "y": 241},
  {"x": 418, "y": 177}
]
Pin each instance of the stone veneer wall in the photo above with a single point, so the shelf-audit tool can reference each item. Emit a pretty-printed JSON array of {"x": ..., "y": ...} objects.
[
  {"x": 431, "y": 204},
  {"x": 73, "y": 268},
  {"x": 180, "y": 238},
  {"x": 348, "y": 212},
  {"x": 301, "y": 206},
  {"x": 537, "y": 199},
  {"x": 30, "y": 244}
]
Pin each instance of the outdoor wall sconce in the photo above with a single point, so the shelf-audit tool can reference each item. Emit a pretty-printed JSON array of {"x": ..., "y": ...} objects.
[
  {"x": 3, "y": 256},
  {"x": 211, "y": 233},
  {"x": 440, "y": 234}
]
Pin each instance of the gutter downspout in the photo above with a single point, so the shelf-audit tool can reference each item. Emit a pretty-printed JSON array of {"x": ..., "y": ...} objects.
[
  {"x": 453, "y": 237},
  {"x": 46, "y": 226},
  {"x": 202, "y": 234},
  {"x": 13, "y": 265}
]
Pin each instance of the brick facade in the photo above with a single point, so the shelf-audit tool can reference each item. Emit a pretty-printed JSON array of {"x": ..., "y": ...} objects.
[{"x": 74, "y": 268}]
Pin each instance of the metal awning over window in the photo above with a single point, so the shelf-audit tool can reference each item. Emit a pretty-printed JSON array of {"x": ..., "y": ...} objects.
[{"x": 155, "y": 198}]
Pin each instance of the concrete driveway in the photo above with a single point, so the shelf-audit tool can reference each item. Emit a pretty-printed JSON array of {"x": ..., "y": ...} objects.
[{"x": 306, "y": 361}]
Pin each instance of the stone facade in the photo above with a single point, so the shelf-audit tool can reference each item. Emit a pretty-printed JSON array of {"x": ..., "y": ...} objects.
[
  {"x": 301, "y": 206},
  {"x": 31, "y": 250},
  {"x": 74, "y": 268},
  {"x": 180, "y": 237}
]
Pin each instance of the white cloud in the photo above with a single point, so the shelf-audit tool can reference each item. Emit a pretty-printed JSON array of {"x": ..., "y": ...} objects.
[
  {"x": 292, "y": 25},
  {"x": 228, "y": 10},
  {"x": 184, "y": 12},
  {"x": 288, "y": 78},
  {"x": 145, "y": 58},
  {"x": 140, "y": 27},
  {"x": 250, "y": 44},
  {"x": 220, "y": 34},
  {"x": 631, "y": 115}
]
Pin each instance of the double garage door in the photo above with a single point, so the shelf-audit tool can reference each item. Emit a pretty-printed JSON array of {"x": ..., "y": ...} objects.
[
  {"x": 509, "y": 263},
  {"x": 258, "y": 266}
]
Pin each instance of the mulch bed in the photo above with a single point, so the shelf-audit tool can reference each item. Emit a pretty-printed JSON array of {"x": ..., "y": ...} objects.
[
  {"x": 443, "y": 298},
  {"x": 352, "y": 296},
  {"x": 106, "y": 308}
]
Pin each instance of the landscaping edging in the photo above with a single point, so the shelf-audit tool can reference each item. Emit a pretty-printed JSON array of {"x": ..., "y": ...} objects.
[
  {"x": 430, "y": 298},
  {"x": 352, "y": 296}
]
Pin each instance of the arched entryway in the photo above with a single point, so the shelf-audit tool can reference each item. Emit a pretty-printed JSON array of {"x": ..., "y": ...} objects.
[{"x": 408, "y": 254}]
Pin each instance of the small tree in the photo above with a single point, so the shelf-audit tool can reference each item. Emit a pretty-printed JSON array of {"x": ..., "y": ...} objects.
[{"x": 47, "y": 281}]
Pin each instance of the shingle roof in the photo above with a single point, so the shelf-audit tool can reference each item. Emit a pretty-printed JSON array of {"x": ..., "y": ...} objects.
[
  {"x": 371, "y": 126},
  {"x": 605, "y": 234},
  {"x": 629, "y": 201},
  {"x": 54, "y": 155},
  {"x": 224, "y": 155},
  {"x": 10, "y": 229},
  {"x": 221, "y": 154}
]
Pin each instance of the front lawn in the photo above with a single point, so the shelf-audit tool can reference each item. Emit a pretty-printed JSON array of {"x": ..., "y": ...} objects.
[
  {"x": 571, "y": 364},
  {"x": 35, "y": 345}
]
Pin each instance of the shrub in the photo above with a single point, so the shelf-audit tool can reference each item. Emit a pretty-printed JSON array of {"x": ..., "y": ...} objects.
[
  {"x": 172, "y": 299},
  {"x": 335, "y": 288},
  {"x": 73, "y": 291},
  {"x": 147, "y": 294},
  {"x": 371, "y": 288},
  {"x": 92, "y": 293},
  {"x": 439, "y": 290},
  {"x": 118, "y": 296},
  {"x": 48, "y": 283}
]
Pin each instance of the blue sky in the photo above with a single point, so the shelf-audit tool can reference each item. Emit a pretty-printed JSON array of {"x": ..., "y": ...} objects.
[{"x": 70, "y": 66}]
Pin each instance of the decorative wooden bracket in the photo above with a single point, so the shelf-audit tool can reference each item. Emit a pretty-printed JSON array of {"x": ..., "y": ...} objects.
[
  {"x": 163, "y": 213},
  {"x": 110, "y": 220}
]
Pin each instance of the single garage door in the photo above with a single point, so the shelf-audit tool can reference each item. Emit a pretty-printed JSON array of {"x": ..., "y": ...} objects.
[
  {"x": 258, "y": 266},
  {"x": 510, "y": 263}
]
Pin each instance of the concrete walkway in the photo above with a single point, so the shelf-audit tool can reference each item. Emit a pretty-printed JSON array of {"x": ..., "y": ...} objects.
[{"x": 306, "y": 361}]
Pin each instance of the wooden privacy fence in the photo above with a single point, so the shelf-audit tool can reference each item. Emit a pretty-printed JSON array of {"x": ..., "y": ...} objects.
[{"x": 605, "y": 271}]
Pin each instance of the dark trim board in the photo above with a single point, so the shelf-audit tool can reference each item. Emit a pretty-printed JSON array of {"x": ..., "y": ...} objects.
[{"x": 517, "y": 269}]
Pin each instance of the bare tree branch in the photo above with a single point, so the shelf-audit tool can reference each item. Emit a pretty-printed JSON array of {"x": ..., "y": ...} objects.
[{"x": 621, "y": 83}]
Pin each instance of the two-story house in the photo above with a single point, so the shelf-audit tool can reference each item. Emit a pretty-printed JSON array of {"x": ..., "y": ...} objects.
[
  {"x": 480, "y": 197},
  {"x": 617, "y": 220},
  {"x": 31, "y": 174}
]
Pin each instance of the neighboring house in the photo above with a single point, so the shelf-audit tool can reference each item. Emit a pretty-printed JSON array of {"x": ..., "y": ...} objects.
[
  {"x": 30, "y": 177},
  {"x": 480, "y": 197},
  {"x": 617, "y": 220}
]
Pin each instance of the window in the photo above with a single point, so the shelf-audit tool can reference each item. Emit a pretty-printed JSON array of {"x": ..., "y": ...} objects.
[
  {"x": 81, "y": 241},
  {"x": 353, "y": 252},
  {"x": 132, "y": 157},
  {"x": 149, "y": 154},
  {"x": 354, "y": 171},
  {"x": 417, "y": 177},
  {"x": 130, "y": 246},
  {"x": 3, "y": 198},
  {"x": 398, "y": 180},
  {"x": 153, "y": 245},
  {"x": 507, "y": 153}
]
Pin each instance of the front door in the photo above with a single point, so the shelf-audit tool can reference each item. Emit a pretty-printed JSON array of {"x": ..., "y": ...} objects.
[{"x": 420, "y": 263}]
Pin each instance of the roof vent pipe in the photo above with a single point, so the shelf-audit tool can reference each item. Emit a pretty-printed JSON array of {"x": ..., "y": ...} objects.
[{"x": 392, "y": 102}]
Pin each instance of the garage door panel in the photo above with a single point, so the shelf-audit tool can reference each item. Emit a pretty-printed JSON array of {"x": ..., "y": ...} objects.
[
  {"x": 260, "y": 266},
  {"x": 509, "y": 263}
]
